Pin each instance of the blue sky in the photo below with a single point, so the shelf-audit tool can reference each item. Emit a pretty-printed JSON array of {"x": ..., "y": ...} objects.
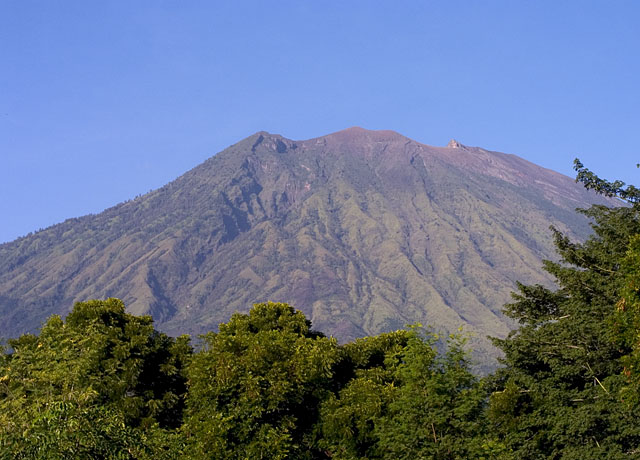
[{"x": 102, "y": 101}]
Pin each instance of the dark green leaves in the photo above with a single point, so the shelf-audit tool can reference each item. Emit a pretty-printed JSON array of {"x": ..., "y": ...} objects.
[
  {"x": 612, "y": 189},
  {"x": 561, "y": 392}
]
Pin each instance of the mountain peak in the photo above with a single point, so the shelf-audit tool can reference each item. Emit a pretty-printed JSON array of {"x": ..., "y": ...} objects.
[
  {"x": 356, "y": 134},
  {"x": 363, "y": 230}
]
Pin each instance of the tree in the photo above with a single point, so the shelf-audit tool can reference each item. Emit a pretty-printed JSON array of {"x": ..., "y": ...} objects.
[
  {"x": 255, "y": 388},
  {"x": 364, "y": 388},
  {"x": 94, "y": 386},
  {"x": 559, "y": 394},
  {"x": 406, "y": 400},
  {"x": 627, "y": 323},
  {"x": 437, "y": 409}
]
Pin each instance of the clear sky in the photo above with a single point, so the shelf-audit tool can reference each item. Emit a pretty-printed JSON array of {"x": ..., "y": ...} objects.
[{"x": 103, "y": 100}]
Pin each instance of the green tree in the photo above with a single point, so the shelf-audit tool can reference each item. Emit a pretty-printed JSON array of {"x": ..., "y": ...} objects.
[
  {"x": 437, "y": 409},
  {"x": 94, "y": 386},
  {"x": 255, "y": 388},
  {"x": 406, "y": 400},
  {"x": 559, "y": 393},
  {"x": 364, "y": 387},
  {"x": 627, "y": 322}
]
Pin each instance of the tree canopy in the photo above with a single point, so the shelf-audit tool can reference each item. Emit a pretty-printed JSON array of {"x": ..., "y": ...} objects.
[
  {"x": 93, "y": 386},
  {"x": 104, "y": 384},
  {"x": 560, "y": 392}
]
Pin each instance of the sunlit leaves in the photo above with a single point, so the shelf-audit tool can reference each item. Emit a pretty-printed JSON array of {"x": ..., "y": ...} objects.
[{"x": 94, "y": 386}]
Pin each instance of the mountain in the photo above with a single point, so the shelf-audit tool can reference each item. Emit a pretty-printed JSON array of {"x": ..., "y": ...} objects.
[{"x": 364, "y": 231}]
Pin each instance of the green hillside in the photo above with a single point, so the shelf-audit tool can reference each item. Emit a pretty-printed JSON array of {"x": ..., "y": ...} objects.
[{"x": 364, "y": 231}]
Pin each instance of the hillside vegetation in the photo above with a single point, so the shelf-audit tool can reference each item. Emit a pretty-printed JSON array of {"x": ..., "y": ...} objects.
[
  {"x": 105, "y": 384},
  {"x": 363, "y": 231}
]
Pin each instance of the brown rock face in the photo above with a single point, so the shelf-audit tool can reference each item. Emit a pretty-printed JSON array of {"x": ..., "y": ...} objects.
[{"x": 365, "y": 231}]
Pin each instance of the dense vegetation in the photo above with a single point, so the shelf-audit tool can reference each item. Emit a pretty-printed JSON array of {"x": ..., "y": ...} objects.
[{"x": 105, "y": 384}]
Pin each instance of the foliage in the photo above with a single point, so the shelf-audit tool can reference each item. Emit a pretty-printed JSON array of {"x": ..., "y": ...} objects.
[
  {"x": 255, "y": 389},
  {"x": 438, "y": 406},
  {"x": 627, "y": 322},
  {"x": 350, "y": 415},
  {"x": 90, "y": 386},
  {"x": 103, "y": 384},
  {"x": 616, "y": 188},
  {"x": 559, "y": 394},
  {"x": 406, "y": 401}
]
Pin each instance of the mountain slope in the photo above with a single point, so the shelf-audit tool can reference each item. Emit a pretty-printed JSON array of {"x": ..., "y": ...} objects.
[{"x": 365, "y": 231}]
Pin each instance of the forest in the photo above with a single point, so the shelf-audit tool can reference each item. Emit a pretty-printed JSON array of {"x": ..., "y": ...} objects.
[{"x": 104, "y": 384}]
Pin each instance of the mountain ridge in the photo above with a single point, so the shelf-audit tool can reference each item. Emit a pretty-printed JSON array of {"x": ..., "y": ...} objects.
[{"x": 365, "y": 231}]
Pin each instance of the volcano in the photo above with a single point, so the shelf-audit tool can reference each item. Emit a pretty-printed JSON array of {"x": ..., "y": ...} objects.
[{"x": 364, "y": 231}]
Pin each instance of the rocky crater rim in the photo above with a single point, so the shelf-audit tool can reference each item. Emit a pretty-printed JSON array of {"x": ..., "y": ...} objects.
[
  {"x": 359, "y": 135},
  {"x": 361, "y": 141}
]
